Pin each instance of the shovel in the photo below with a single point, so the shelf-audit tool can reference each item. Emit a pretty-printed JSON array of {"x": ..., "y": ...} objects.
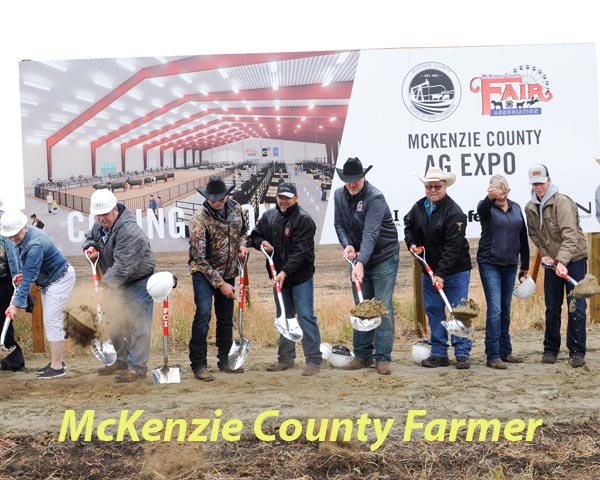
[
  {"x": 240, "y": 348},
  {"x": 358, "y": 323},
  {"x": 578, "y": 287},
  {"x": 166, "y": 374},
  {"x": 288, "y": 327},
  {"x": 103, "y": 351},
  {"x": 454, "y": 326},
  {"x": 4, "y": 350}
]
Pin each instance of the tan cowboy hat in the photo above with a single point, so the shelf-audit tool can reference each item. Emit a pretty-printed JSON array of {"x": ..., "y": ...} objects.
[{"x": 435, "y": 174}]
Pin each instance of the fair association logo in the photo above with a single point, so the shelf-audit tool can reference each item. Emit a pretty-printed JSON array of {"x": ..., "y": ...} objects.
[{"x": 431, "y": 91}]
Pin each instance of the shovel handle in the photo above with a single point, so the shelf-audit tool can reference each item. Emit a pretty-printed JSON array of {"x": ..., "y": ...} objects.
[
  {"x": 7, "y": 321},
  {"x": 564, "y": 276},
  {"x": 165, "y": 317},
  {"x": 357, "y": 282},
  {"x": 93, "y": 263}
]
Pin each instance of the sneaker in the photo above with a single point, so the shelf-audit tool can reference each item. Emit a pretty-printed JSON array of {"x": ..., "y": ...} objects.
[
  {"x": 577, "y": 361},
  {"x": 203, "y": 374},
  {"x": 462, "y": 363},
  {"x": 280, "y": 367},
  {"x": 358, "y": 363},
  {"x": 311, "y": 369},
  {"x": 228, "y": 369},
  {"x": 128, "y": 376},
  {"x": 434, "y": 362},
  {"x": 46, "y": 367},
  {"x": 383, "y": 368},
  {"x": 52, "y": 373},
  {"x": 497, "y": 364},
  {"x": 549, "y": 358},
  {"x": 512, "y": 359}
]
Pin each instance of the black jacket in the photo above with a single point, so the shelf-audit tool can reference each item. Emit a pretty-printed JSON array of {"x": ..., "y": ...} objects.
[
  {"x": 442, "y": 235},
  {"x": 292, "y": 235}
]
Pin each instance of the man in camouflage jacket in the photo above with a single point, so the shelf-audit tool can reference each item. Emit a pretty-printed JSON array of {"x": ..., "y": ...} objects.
[{"x": 217, "y": 237}]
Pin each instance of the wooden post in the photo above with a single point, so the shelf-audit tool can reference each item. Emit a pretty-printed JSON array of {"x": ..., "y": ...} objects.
[
  {"x": 594, "y": 265},
  {"x": 38, "y": 321},
  {"x": 420, "y": 318}
]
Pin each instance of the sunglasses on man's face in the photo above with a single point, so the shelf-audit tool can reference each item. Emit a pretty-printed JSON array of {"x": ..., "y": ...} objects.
[{"x": 434, "y": 187}]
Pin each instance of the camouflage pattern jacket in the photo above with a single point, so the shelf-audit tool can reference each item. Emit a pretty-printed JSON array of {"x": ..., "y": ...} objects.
[{"x": 215, "y": 242}]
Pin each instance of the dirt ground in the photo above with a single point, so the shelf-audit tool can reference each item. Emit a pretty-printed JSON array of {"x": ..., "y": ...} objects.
[{"x": 567, "y": 445}]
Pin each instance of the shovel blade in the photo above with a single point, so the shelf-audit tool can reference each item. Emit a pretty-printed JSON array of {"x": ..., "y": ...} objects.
[
  {"x": 238, "y": 353},
  {"x": 164, "y": 375},
  {"x": 5, "y": 352},
  {"x": 364, "y": 324},
  {"x": 458, "y": 328},
  {"x": 104, "y": 351},
  {"x": 289, "y": 328}
]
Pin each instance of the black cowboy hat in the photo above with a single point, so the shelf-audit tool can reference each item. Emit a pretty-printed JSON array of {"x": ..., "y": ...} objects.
[
  {"x": 352, "y": 171},
  {"x": 215, "y": 189}
]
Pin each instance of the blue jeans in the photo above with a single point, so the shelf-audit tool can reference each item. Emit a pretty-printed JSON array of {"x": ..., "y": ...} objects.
[
  {"x": 456, "y": 287},
  {"x": 378, "y": 282},
  {"x": 298, "y": 301},
  {"x": 498, "y": 283},
  {"x": 554, "y": 292},
  {"x": 131, "y": 335},
  {"x": 203, "y": 297}
]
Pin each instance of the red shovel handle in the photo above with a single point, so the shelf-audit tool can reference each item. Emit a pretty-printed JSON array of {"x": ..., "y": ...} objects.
[{"x": 165, "y": 317}]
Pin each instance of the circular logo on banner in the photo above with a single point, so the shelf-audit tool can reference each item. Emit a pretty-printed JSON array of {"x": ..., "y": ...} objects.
[{"x": 431, "y": 91}]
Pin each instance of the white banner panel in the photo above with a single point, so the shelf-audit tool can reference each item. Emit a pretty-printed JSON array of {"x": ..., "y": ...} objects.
[{"x": 476, "y": 112}]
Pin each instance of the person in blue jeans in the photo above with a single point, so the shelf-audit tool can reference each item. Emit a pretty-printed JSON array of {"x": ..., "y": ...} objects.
[
  {"x": 553, "y": 223},
  {"x": 288, "y": 233},
  {"x": 366, "y": 230},
  {"x": 437, "y": 223},
  {"x": 503, "y": 247}
]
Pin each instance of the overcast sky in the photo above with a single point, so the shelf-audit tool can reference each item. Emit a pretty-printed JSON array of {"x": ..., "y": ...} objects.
[{"x": 59, "y": 29}]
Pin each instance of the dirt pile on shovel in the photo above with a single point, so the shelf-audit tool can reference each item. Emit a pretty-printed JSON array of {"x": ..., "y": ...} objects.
[
  {"x": 466, "y": 311},
  {"x": 588, "y": 287},
  {"x": 81, "y": 324},
  {"x": 371, "y": 308}
]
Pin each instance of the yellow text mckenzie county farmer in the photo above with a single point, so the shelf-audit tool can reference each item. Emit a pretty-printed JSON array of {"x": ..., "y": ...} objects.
[{"x": 135, "y": 426}]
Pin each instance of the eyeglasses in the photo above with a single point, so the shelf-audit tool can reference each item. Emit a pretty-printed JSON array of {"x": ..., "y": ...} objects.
[{"x": 434, "y": 187}]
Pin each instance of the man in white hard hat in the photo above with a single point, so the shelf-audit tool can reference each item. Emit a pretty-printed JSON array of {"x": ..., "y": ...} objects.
[
  {"x": 126, "y": 261},
  {"x": 44, "y": 265}
]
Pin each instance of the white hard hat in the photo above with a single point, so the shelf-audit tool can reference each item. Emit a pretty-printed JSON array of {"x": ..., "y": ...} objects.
[
  {"x": 525, "y": 290},
  {"x": 159, "y": 285},
  {"x": 420, "y": 351},
  {"x": 12, "y": 222},
  {"x": 102, "y": 201},
  {"x": 325, "y": 350},
  {"x": 340, "y": 356}
]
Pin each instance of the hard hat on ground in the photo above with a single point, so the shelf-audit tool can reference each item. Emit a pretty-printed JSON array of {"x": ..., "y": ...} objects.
[
  {"x": 420, "y": 351},
  {"x": 12, "y": 222},
  {"x": 340, "y": 356},
  {"x": 102, "y": 201}
]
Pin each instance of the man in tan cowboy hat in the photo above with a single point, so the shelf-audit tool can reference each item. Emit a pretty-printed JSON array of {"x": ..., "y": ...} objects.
[
  {"x": 365, "y": 228},
  {"x": 218, "y": 235},
  {"x": 437, "y": 223}
]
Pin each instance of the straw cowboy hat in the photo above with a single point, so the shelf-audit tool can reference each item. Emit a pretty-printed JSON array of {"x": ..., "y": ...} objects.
[
  {"x": 352, "y": 171},
  {"x": 215, "y": 189},
  {"x": 435, "y": 174}
]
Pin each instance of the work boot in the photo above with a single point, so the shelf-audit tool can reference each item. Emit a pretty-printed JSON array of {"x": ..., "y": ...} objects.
[
  {"x": 228, "y": 369},
  {"x": 358, "y": 363},
  {"x": 311, "y": 369},
  {"x": 128, "y": 376},
  {"x": 577, "y": 361},
  {"x": 549, "y": 358},
  {"x": 280, "y": 367},
  {"x": 462, "y": 363},
  {"x": 497, "y": 364},
  {"x": 203, "y": 374},
  {"x": 109, "y": 370},
  {"x": 434, "y": 362},
  {"x": 512, "y": 359},
  {"x": 383, "y": 368}
]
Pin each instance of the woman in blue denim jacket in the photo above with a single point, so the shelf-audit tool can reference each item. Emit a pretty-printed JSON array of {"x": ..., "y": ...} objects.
[
  {"x": 503, "y": 246},
  {"x": 44, "y": 265},
  {"x": 10, "y": 265}
]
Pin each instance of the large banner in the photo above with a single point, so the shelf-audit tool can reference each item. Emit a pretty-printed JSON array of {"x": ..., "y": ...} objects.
[{"x": 475, "y": 111}]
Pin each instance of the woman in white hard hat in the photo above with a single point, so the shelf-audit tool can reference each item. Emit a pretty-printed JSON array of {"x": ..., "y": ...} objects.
[
  {"x": 503, "y": 246},
  {"x": 49, "y": 269}
]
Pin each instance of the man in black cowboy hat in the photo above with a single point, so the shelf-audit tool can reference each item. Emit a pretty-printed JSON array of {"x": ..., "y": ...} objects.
[
  {"x": 366, "y": 230},
  {"x": 218, "y": 234}
]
